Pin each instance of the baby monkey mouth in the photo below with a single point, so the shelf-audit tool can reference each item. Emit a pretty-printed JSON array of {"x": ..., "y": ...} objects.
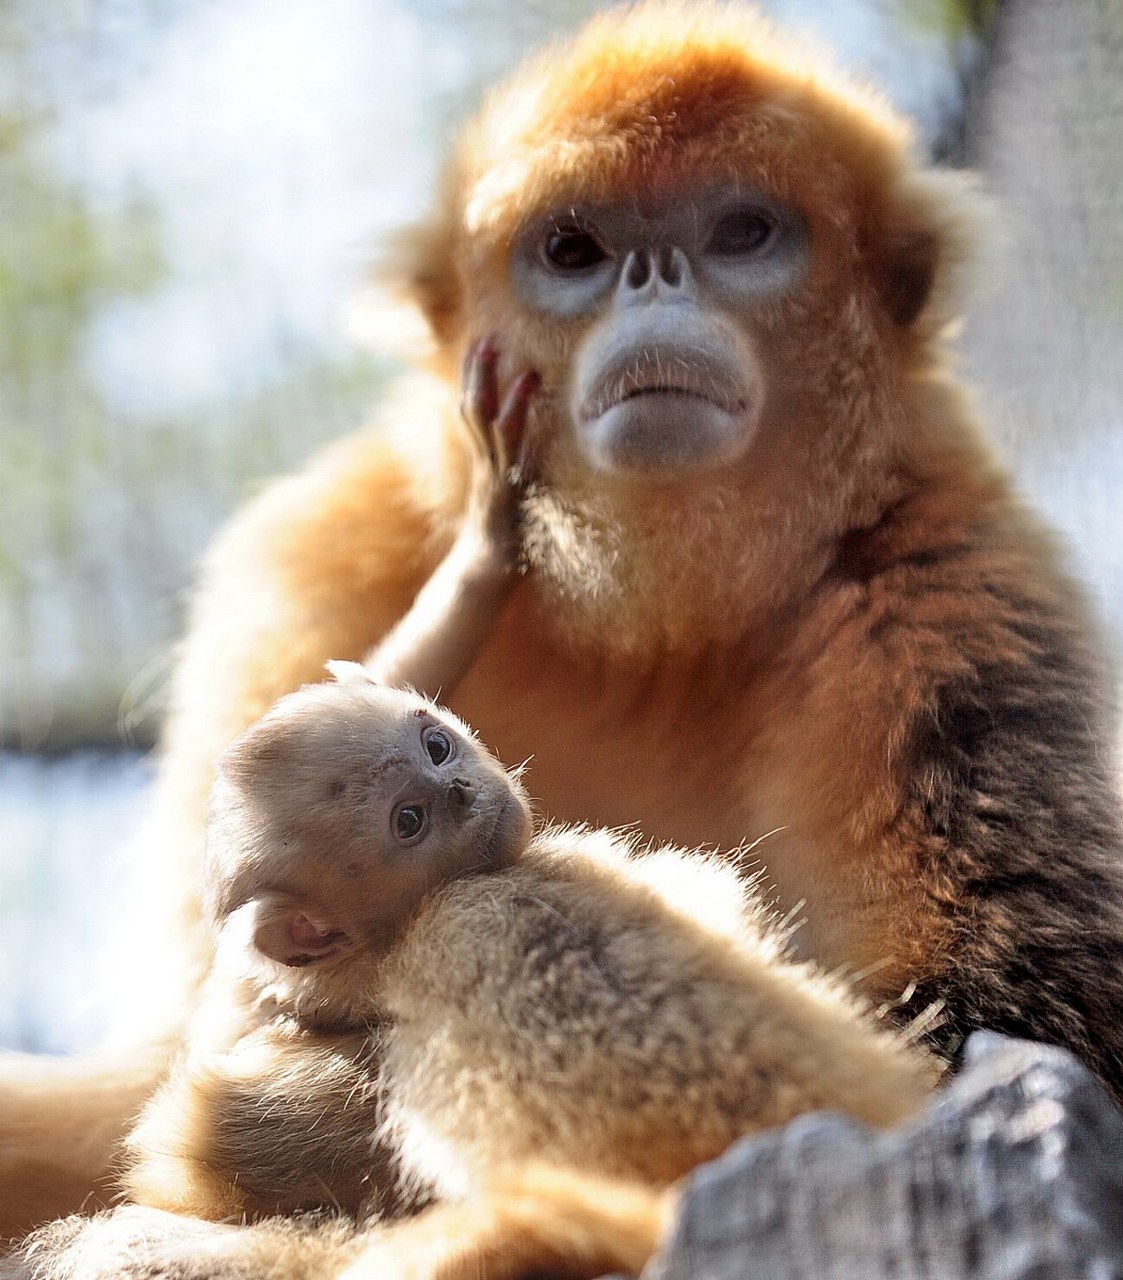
[{"x": 505, "y": 832}]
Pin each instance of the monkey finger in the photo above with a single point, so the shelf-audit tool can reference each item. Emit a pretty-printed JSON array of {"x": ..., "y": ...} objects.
[
  {"x": 511, "y": 435},
  {"x": 479, "y": 402}
]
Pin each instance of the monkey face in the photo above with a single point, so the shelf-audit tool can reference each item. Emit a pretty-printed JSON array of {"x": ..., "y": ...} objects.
[
  {"x": 340, "y": 810},
  {"x": 727, "y": 273},
  {"x": 714, "y": 254},
  {"x": 665, "y": 378}
]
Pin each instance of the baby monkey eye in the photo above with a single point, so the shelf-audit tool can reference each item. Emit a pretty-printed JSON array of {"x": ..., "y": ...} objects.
[
  {"x": 743, "y": 231},
  {"x": 438, "y": 745},
  {"x": 410, "y": 821},
  {"x": 571, "y": 247}
]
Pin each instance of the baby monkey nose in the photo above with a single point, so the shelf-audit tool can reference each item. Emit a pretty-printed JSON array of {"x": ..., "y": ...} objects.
[{"x": 462, "y": 792}]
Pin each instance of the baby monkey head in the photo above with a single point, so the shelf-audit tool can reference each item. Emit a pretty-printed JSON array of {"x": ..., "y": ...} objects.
[{"x": 336, "y": 814}]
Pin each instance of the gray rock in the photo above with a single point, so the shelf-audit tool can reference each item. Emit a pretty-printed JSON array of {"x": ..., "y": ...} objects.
[{"x": 1014, "y": 1173}]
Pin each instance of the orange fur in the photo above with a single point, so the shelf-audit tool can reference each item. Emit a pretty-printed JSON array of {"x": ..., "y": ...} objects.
[
  {"x": 855, "y": 638},
  {"x": 612, "y": 1010},
  {"x": 535, "y": 1221},
  {"x": 62, "y": 1124},
  {"x": 645, "y": 612}
]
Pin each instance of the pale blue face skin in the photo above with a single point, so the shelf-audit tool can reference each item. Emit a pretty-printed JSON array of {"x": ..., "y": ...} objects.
[{"x": 665, "y": 379}]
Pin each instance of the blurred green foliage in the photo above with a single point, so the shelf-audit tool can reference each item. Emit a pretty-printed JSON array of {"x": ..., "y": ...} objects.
[{"x": 101, "y": 519}]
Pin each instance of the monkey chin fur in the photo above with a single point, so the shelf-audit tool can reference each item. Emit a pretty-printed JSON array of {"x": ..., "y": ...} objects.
[
  {"x": 636, "y": 568},
  {"x": 622, "y": 583}
]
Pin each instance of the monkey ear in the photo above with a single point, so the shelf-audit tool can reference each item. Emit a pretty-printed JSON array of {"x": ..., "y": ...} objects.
[
  {"x": 413, "y": 306},
  {"x": 349, "y": 672},
  {"x": 265, "y": 743},
  {"x": 907, "y": 273},
  {"x": 292, "y": 934},
  {"x": 925, "y": 246}
]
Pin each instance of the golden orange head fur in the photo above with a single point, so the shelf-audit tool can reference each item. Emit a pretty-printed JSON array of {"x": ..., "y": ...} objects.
[
  {"x": 653, "y": 106},
  {"x": 667, "y": 94}
]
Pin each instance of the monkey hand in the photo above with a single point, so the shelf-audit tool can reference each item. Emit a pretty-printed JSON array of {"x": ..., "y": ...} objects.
[{"x": 502, "y": 464}]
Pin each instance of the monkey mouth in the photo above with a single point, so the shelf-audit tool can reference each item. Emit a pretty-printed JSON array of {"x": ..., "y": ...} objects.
[
  {"x": 728, "y": 406},
  {"x": 657, "y": 373},
  {"x": 665, "y": 402},
  {"x": 507, "y": 834}
]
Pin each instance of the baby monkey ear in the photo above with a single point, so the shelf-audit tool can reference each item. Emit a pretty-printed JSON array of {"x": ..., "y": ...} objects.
[
  {"x": 350, "y": 672},
  {"x": 292, "y": 934}
]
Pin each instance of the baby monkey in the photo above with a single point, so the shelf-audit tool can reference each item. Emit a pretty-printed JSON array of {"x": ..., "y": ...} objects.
[{"x": 414, "y": 992}]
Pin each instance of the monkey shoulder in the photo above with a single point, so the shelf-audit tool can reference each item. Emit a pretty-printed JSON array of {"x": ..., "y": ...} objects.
[
  {"x": 1010, "y": 742},
  {"x": 372, "y": 511},
  {"x": 965, "y": 615}
]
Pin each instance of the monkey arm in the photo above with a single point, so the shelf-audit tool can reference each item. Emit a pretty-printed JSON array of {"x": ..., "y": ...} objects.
[
  {"x": 318, "y": 566},
  {"x": 531, "y": 1221},
  {"x": 433, "y": 646},
  {"x": 1019, "y": 828},
  {"x": 977, "y": 784},
  {"x": 1023, "y": 819}
]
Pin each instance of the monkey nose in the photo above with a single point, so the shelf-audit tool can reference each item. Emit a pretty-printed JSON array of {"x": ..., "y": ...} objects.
[
  {"x": 462, "y": 792},
  {"x": 661, "y": 274}
]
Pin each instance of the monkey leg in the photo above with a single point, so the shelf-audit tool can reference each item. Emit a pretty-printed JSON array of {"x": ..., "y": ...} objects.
[
  {"x": 135, "y": 1242},
  {"x": 61, "y": 1125},
  {"x": 533, "y": 1222},
  {"x": 536, "y": 1221}
]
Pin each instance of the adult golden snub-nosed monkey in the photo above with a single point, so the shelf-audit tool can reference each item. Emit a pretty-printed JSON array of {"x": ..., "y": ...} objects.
[{"x": 775, "y": 581}]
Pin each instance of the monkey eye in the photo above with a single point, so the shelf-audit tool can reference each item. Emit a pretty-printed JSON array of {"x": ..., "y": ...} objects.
[
  {"x": 743, "y": 231},
  {"x": 409, "y": 822},
  {"x": 571, "y": 247},
  {"x": 437, "y": 744}
]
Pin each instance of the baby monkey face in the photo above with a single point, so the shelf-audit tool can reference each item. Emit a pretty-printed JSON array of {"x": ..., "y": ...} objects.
[{"x": 341, "y": 809}]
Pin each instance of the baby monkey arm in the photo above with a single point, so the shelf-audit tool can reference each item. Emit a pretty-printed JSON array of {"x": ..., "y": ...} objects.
[{"x": 435, "y": 643}]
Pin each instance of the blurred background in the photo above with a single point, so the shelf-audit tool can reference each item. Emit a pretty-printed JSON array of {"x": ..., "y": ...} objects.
[{"x": 189, "y": 191}]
